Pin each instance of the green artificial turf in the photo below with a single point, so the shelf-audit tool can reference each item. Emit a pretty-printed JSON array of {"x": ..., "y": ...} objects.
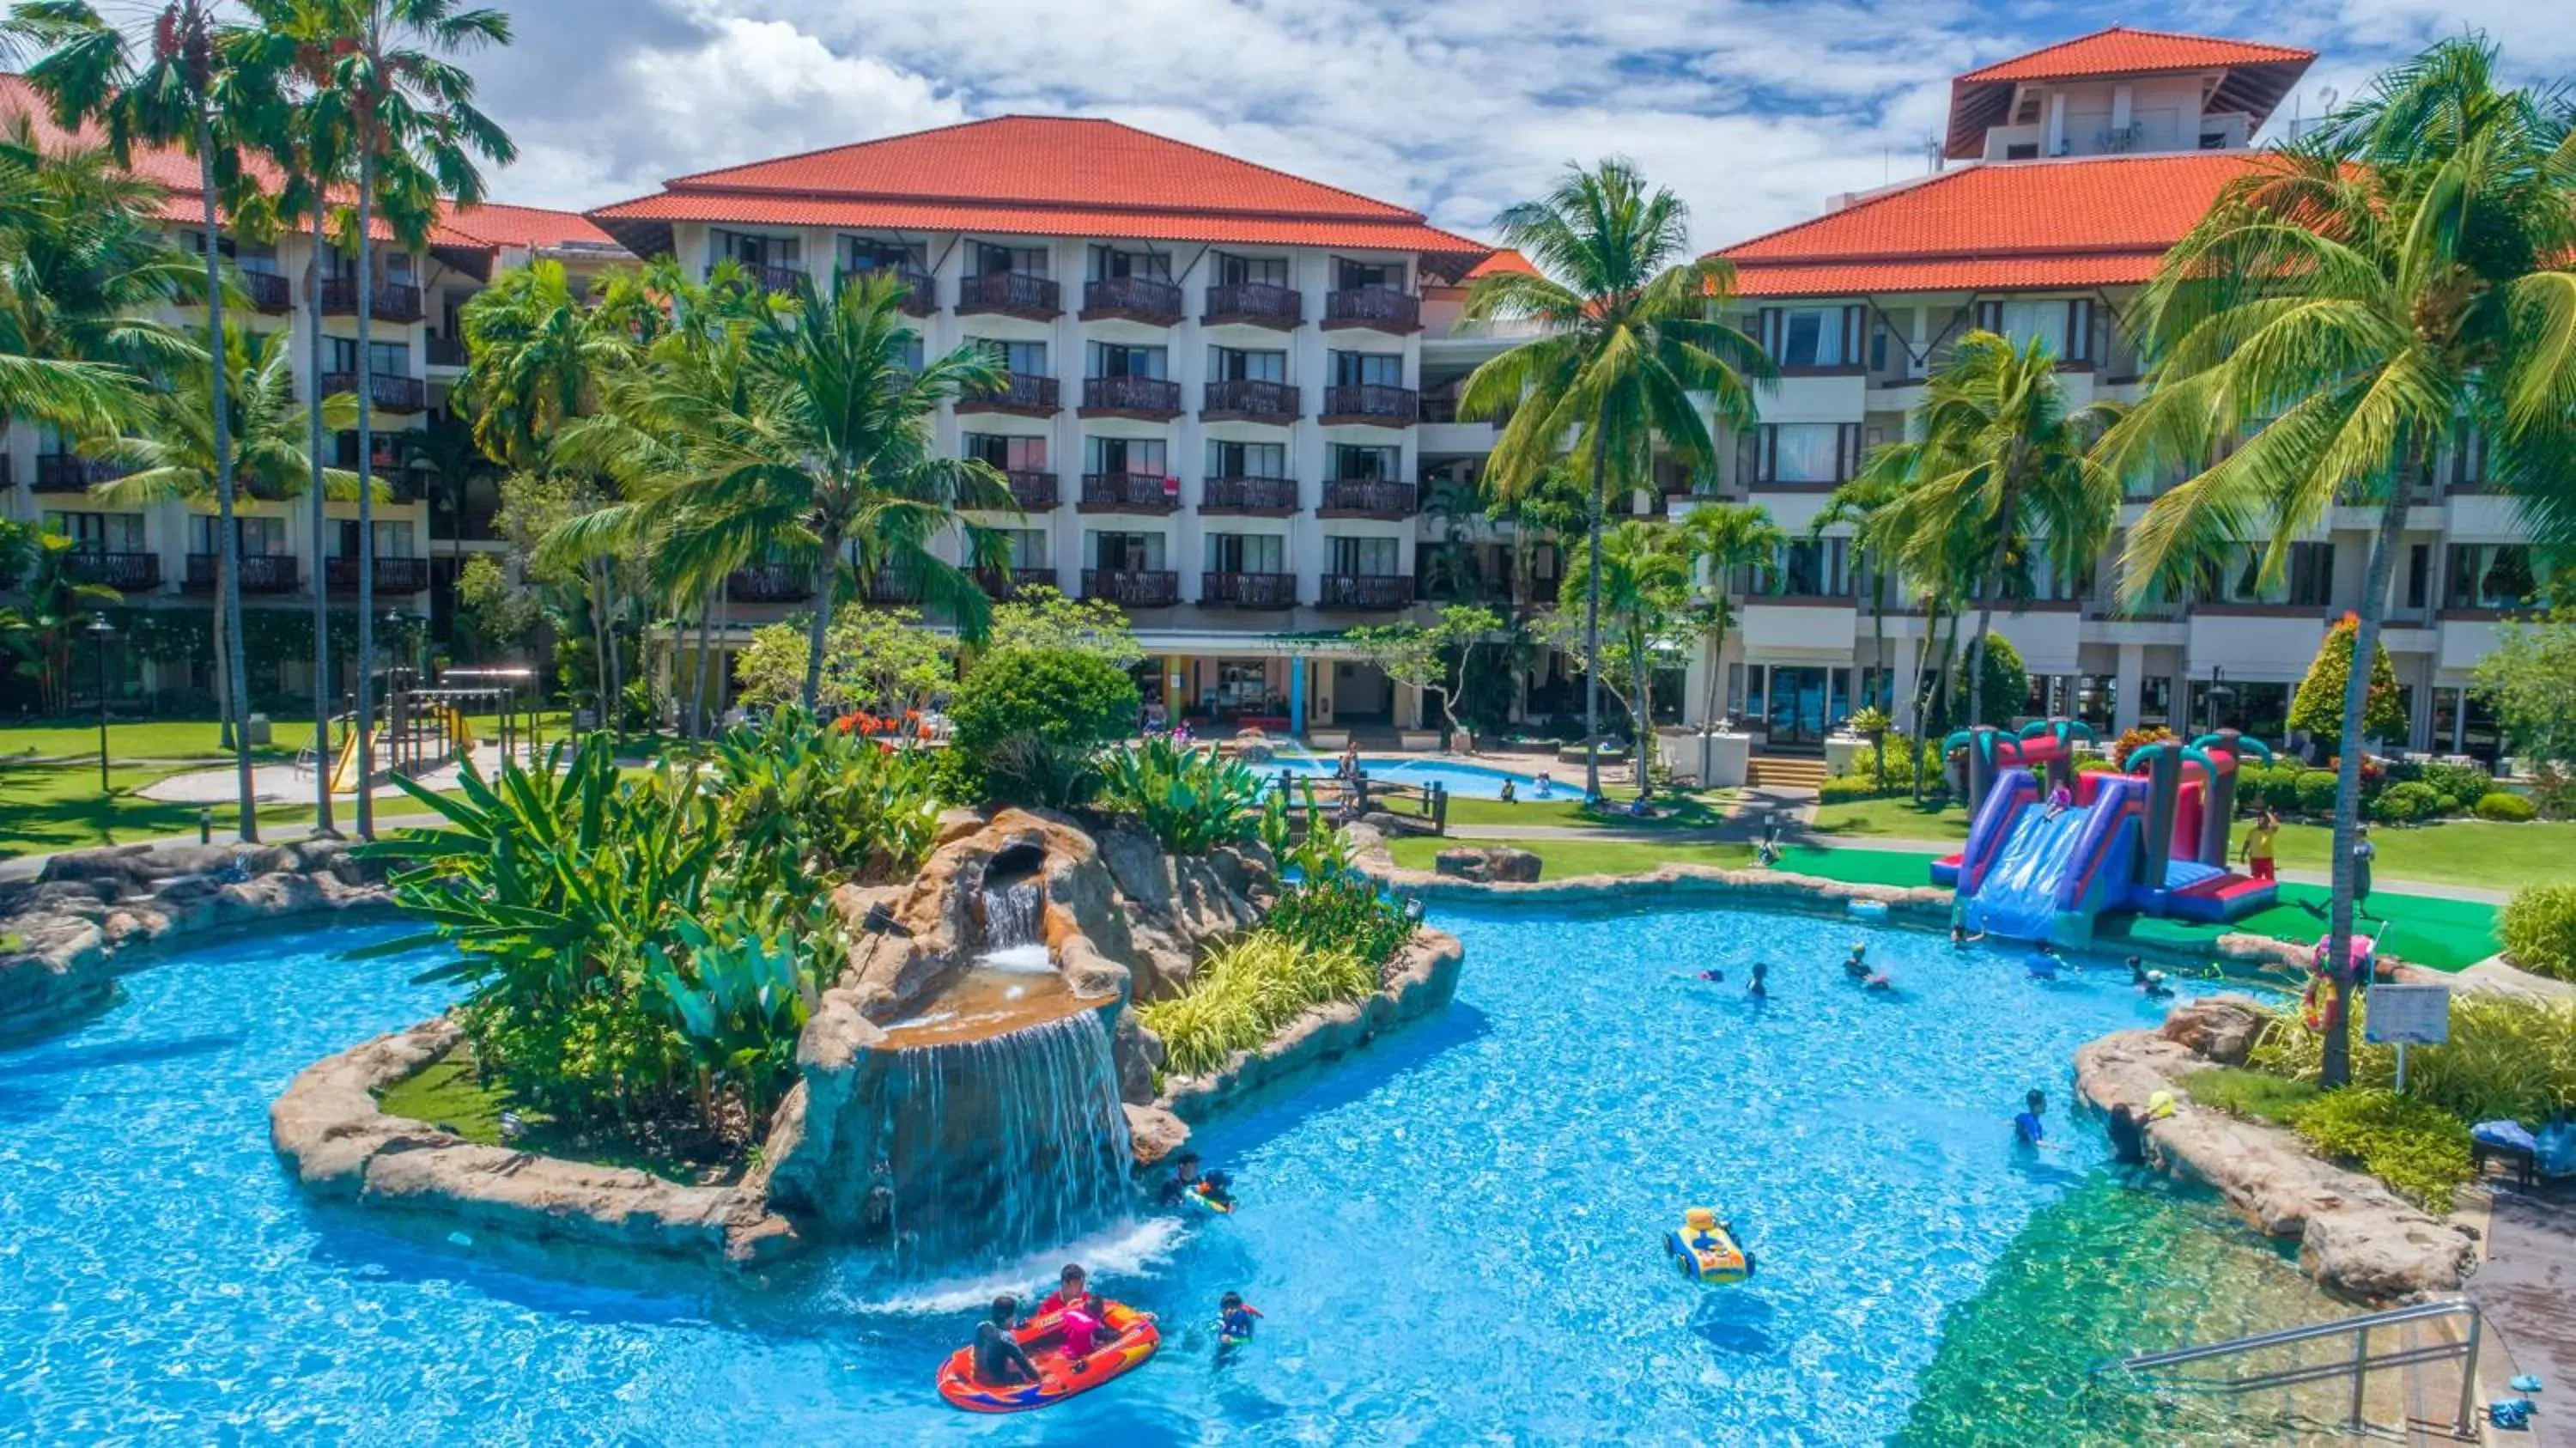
[{"x": 2421, "y": 930}]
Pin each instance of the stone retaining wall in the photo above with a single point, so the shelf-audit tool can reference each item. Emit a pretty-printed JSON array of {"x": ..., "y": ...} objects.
[
  {"x": 342, "y": 1145},
  {"x": 91, "y": 915}
]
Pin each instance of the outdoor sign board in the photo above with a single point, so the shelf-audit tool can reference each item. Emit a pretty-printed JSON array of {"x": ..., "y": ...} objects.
[{"x": 2408, "y": 1015}]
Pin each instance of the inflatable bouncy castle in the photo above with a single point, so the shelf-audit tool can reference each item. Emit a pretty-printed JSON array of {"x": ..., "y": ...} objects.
[{"x": 2050, "y": 850}]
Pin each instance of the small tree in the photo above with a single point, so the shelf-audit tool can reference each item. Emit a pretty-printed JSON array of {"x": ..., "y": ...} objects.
[
  {"x": 2317, "y": 709},
  {"x": 1438, "y": 657},
  {"x": 2530, "y": 680},
  {"x": 2002, "y": 684},
  {"x": 876, "y": 659},
  {"x": 1040, "y": 618},
  {"x": 1028, "y": 723}
]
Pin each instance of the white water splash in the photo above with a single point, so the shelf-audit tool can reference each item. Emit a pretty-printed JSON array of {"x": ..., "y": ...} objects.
[{"x": 1129, "y": 1247}]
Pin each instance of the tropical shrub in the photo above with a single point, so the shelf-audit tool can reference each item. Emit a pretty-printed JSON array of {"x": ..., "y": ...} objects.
[
  {"x": 2317, "y": 708},
  {"x": 739, "y": 985},
  {"x": 2467, "y": 783},
  {"x": 1027, "y": 722},
  {"x": 2131, "y": 739},
  {"x": 1847, "y": 788},
  {"x": 1245, "y": 992},
  {"x": 2505, "y": 808},
  {"x": 2404, "y": 804},
  {"x": 1326, "y": 903},
  {"x": 2508, "y": 1057},
  {"x": 2281, "y": 788},
  {"x": 1189, "y": 799},
  {"x": 2538, "y": 927},
  {"x": 2314, "y": 791},
  {"x": 807, "y": 804},
  {"x": 2007, "y": 683},
  {"x": 2256, "y": 1094},
  {"x": 2419, "y": 1149}
]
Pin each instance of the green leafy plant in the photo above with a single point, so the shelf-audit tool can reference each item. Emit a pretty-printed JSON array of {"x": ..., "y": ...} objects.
[
  {"x": 2257, "y": 1094},
  {"x": 1027, "y": 723},
  {"x": 739, "y": 984},
  {"x": 2467, "y": 783},
  {"x": 1328, "y": 904},
  {"x": 2317, "y": 708},
  {"x": 2404, "y": 804},
  {"x": 2505, "y": 808},
  {"x": 807, "y": 804},
  {"x": 1246, "y": 991},
  {"x": 2419, "y": 1149},
  {"x": 2538, "y": 927},
  {"x": 2508, "y": 1057},
  {"x": 1190, "y": 799},
  {"x": 2314, "y": 791}
]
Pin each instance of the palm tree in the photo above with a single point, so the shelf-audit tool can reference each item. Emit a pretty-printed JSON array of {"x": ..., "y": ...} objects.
[
  {"x": 825, "y": 447},
  {"x": 82, "y": 263},
  {"x": 1995, "y": 473},
  {"x": 409, "y": 119},
  {"x": 446, "y": 460},
  {"x": 53, "y": 609},
  {"x": 200, "y": 83},
  {"x": 1858, "y": 504},
  {"x": 2390, "y": 289},
  {"x": 1629, "y": 338},
  {"x": 1722, "y": 537},
  {"x": 1641, "y": 572},
  {"x": 170, "y": 454}
]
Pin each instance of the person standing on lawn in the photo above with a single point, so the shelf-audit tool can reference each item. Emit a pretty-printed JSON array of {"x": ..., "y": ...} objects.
[{"x": 2260, "y": 842}]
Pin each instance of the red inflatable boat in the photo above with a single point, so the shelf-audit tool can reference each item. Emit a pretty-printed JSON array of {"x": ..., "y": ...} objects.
[{"x": 1132, "y": 1338}]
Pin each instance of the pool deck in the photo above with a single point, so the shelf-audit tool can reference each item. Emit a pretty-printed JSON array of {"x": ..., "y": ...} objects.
[{"x": 2527, "y": 1289}]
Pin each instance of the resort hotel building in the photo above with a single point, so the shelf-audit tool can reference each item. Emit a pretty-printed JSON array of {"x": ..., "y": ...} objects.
[{"x": 1231, "y": 405}]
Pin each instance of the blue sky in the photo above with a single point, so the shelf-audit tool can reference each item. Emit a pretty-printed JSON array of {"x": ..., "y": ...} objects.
[{"x": 1754, "y": 112}]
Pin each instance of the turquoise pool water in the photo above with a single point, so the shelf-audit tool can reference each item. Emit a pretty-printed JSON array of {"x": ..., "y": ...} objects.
[
  {"x": 1453, "y": 1236},
  {"x": 1471, "y": 781}
]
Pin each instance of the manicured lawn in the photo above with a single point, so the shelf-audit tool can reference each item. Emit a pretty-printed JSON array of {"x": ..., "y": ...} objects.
[
  {"x": 446, "y": 1095},
  {"x": 1894, "y": 819},
  {"x": 154, "y": 739},
  {"x": 50, "y": 807},
  {"x": 1564, "y": 859},
  {"x": 1672, "y": 812}
]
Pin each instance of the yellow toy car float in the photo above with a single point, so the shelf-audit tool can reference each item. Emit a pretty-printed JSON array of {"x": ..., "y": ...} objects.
[{"x": 1706, "y": 1251}]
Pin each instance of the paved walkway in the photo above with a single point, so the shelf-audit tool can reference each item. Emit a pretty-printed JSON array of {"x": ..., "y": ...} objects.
[{"x": 2527, "y": 1289}]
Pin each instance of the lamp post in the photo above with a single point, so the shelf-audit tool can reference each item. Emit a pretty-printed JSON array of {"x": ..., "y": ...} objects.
[
  {"x": 396, "y": 727},
  {"x": 100, "y": 631},
  {"x": 2218, "y": 694}
]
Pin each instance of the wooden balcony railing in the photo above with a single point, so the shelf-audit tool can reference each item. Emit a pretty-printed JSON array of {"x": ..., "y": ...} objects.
[
  {"x": 1022, "y": 394},
  {"x": 1014, "y": 294},
  {"x": 1034, "y": 491},
  {"x": 1249, "y": 590},
  {"x": 770, "y": 583},
  {"x": 268, "y": 292},
  {"x": 1248, "y": 400},
  {"x": 393, "y": 575},
  {"x": 1255, "y": 304},
  {"x": 124, "y": 572},
  {"x": 1380, "y": 309},
  {"x": 920, "y": 290},
  {"x": 1009, "y": 582},
  {"x": 1136, "y": 299},
  {"x": 1129, "y": 493},
  {"x": 1367, "y": 590},
  {"x": 1275, "y": 497},
  {"x": 1371, "y": 405},
  {"x": 388, "y": 302},
  {"x": 1343, "y": 499},
  {"x": 446, "y": 351},
  {"x": 387, "y": 392},
  {"x": 889, "y": 585},
  {"x": 260, "y": 572},
  {"x": 1155, "y": 399},
  {"x": 66, "y": 473},
  {"x": 1136, "y": 589},
  {"x": 775, "y": 278}
]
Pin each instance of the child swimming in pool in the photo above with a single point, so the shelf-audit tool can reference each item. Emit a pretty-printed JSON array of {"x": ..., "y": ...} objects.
[
  {"x": 1543, "y": 788},
  {"x": 2041, "y": 962},
  {"x": 1234, "y": 1320},
  {"x": 2028, "y": 1129},
  {"x": 1185, "y": 1175},
  {"x": 1757, "y": 990},
  {"x": 1216, "y": 1186},
  {"x": 1960, "y": 939}
]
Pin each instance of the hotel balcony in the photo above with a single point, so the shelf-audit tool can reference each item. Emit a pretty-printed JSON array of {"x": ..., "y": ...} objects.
[
  {"x": 1024, "y": 394},
  {"x": 1369, "y": 500},
  {"x": 1129, "y": 493},
  {"x": 124, "y": 572},
  {"x": 1254, "y": 304},
  {"x": 1133, "y": 299},
  {"x": 65, "y": 473},
  {"x": 1379, "y": 309},
  {"x": 1366, "y": 591},
  {"x": 889, "y": 586},
  {"x": 388, "y": 393},
  {"x": 1011, "y": 294},
  {"x": 393, "y": 575},
  {"x": 1147, "y": 399},
  {"x": 1247, "y": 400},
  {"x": 784, "y": 279},
  {"x": 1009, "y": 582},
  {"x": 1248, "y": 590},
  {"x": 1155, "y": 588},
  {"x": 268, "y": 292},
  {"x": 770, "y": 583},
  {"x": 446, "y": 351},
  {"x": 1034, "y": 492},
  {"x": 260, "y": 572},
  {"x": 1371, "y": 405},
  {"x": 1252, "y": 497},
  {"x": 920, "y": 289},
  {"x": 388, "y": 302}
]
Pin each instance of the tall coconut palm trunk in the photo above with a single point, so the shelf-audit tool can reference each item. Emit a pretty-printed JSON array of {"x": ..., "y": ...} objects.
[
  {"x": 1986, "y": 581},
  {"x": 698, "y": 691},
  {"x": 236, "y": 706},
  {"x": 2336, "y": 1069},
  {"x": 367, "y": 483},
  {"x": 322, "y": 822},
  {"x": 1724, "y": 612},
  {"x": 1592, "y": 620},
  {"x": 825, "y": 570}
]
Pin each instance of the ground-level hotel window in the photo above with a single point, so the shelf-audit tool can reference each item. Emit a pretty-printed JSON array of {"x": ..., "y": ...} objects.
[
  {"x": 2155, "y": 702},
  {"x": 2262, "y": 710},
  {"x": 99, "y": 532},
  {"x": 2463, "y": 723},
  {"x": 1363, "y": 557}
]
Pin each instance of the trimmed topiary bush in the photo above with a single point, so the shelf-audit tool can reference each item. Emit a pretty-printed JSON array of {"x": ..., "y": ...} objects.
[
  {"x": 2313, "y": 792},
  {"x": 2538, "y": 927},
  {"x": 2404, "y": 804},
  {"x": 2317, "y": 707},
  {"x": 2504, "y": 808},
  {"x": 1026, "y": 723}
]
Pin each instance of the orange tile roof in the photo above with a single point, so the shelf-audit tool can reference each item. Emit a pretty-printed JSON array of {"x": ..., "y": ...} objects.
[
  {"x": 2120, "y": 50},
  {"x": 1032, "y": 176},
  {"x": 2098, "y": 221},
  {"x": 1505, "y": 260},
  {"x": 530, "y": 226}
]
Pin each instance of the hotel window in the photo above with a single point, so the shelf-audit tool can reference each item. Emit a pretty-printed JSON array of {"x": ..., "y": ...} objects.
[
  {"x": 1027, "y": 261},
  {"x": 1246, "y": 459},
  {"x": 1135, "y": 456},
  {"x": 752, "y": 249},
  {"x": 1233, "y": 364},
  {"x": 2468, "y": 462},
  {"x": 866, "y": 254},
  {"x": 1010, "y": 454},
  {"x": 1805, "y": 452},
  {"x": 2027, "y": 321},
  {"x": 2419, "y": 574},
  {"x": 384, "y": 359},
  {"x": 1110, "y": 262},
  {"x": 2311, "y": 574},
  {"x": 1122, "y": 552},
  {"x": 1368, "y": 369},
  {"x": 1357, "y": 276},
  {"x": 1247, "y": 553},
  {"x": 1025, "y": 547},
  {"x": 2489, "y": 575},
  {"x": 260, "y": 537},
  {"x": 1816, "y": 568},
  {"x": 1029, "y": 359},
  {"x": 1244, "y": 271},
  {"x": 1362, "y": 557},
  {"x": 99, "y": 532},
  {"x": 1119, "y": 359},
  {"x": 393, "y": 538},
  {"x": 1813, "y": 337},
  {"x": 1364, "y": 464}
]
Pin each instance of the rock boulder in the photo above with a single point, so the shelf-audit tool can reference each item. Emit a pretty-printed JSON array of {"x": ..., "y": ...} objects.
[{"x": 2222, "y": 1028}]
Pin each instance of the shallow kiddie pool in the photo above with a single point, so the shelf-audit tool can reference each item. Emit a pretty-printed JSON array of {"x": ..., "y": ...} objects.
[
  {"x": 1468, "y": 781},
  {"x": 1454, "y": 1236}
]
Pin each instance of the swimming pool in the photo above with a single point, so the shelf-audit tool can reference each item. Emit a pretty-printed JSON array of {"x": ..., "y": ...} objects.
[
  {"x": 1453, "y": 1235},
  {"x": 1469, "y": 781}
]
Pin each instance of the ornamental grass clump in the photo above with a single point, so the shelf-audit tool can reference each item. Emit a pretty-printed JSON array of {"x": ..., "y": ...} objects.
[
  {"x": 1245, "y": 993},
  {"x": 2509, "y": 1058},
  {"x": 2419, "y": 1149}
]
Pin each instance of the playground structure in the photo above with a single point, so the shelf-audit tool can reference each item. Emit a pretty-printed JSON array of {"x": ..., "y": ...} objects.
[
  {"x": 2051, "y": 850},
  {"x": 418, "y": 728}
]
